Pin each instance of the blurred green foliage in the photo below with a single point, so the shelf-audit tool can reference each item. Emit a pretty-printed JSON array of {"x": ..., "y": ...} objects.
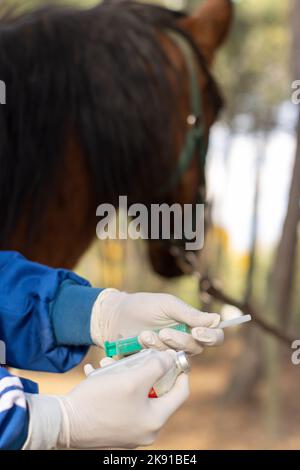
[
  {"x": 30, "y": 4},
  {"x": 253, "y": 68}
]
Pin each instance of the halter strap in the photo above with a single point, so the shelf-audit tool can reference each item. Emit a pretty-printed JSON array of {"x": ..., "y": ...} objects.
[{"x": 195, "y": 137}]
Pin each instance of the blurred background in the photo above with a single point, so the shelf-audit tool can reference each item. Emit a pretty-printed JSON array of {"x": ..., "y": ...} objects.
[{"x": 245, "y": 394}]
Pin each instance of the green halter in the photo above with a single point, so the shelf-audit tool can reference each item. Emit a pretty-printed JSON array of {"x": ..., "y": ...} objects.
[{"x": 195, "y": 138}]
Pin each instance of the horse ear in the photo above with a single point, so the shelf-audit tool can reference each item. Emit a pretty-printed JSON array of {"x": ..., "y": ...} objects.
[{"x": 209, "y": 25}]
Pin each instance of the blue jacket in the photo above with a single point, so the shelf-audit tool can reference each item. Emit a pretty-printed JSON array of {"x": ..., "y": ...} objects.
[{"x": 44, "y": 325}]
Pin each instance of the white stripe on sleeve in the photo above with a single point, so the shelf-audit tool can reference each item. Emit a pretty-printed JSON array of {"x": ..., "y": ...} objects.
[
  {"x": 11, "y": 398},
  {"x": 10, "y": 382}
]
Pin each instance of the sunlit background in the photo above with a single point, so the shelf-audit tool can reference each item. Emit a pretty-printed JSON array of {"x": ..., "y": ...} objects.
[{"x": 238, "y": 398}]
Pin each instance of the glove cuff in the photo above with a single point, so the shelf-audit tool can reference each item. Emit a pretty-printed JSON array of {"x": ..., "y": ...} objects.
[
  {"x": 102, "y": 314},
  {"x": 45, "y": 420}
]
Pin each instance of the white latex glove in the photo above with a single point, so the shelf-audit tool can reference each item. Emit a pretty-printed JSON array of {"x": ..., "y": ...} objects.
[
  {"x": 120, "y": 315},
  {"x": 107, "y": 410}
]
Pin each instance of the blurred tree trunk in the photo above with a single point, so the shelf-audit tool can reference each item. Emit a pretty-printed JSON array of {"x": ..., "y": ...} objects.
[
  {"x": 261, "y": 151},
  {"x": 295, "y": 18},
  {"x": 284, "y": 268},
  {"x": 283, "y": 272},
  {"x": 285, "y": 263}
]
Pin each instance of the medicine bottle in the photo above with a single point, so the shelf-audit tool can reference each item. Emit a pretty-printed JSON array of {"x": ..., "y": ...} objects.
[{"x": 165, "y": 384}]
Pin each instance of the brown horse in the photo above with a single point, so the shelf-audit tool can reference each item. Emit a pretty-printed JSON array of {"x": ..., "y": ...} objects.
[{"x": 96, "y": 107}]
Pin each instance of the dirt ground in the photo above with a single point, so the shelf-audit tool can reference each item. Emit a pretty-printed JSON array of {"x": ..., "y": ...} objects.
[{"x": 204, "y": 422}]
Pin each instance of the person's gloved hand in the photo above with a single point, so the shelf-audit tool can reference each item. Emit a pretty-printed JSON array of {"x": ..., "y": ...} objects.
[
  {"x": 119, "y": 315},
  {"x": 107, "y": 410}
]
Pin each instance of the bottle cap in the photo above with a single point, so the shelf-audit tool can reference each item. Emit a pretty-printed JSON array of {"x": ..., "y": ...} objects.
[{"x": 182, "y": 361}]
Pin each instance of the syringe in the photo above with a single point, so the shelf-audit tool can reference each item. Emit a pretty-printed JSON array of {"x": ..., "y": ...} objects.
[
  {"x": 127, "y": 346},
  {"x": 162, "y": 386}
]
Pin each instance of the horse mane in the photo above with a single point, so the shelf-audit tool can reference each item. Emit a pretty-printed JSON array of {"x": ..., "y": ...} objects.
[{"x": 98, "y": 73}]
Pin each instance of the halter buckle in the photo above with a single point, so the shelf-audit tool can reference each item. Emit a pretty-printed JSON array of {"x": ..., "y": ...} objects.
[{"x": 193, "y": 120}]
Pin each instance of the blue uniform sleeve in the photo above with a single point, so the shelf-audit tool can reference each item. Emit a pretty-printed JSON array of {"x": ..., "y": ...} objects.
[
  {"x": 14, "y": 417},
  {"x": 42, "y": 312}
]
